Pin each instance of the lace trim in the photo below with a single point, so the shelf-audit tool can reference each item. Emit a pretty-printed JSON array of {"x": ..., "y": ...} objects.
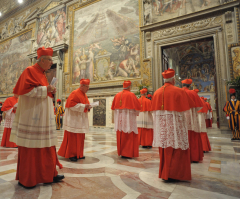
[
  {"x": 170, "y": 129},
  {"x": 126, "y": 120}
]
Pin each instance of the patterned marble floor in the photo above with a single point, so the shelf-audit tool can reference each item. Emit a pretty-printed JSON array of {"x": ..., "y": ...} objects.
[{"x": 105, "y": 175}]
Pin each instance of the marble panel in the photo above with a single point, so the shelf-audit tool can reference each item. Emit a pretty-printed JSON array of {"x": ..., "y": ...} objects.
[
  {"x": 93, "y": 187},
  {"x": 99, "y": 113}
]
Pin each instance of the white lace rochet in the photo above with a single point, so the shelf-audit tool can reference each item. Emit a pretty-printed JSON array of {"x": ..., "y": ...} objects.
[
  {"x": 9, "y": 117},
  {"x": 192, "y": 120},
  {"x": 126, "y": 120},
  {"x": 170, "y": 130},
  {"x": 202, "y": 122}
]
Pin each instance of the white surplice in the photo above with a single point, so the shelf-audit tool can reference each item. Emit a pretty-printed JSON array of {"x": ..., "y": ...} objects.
[
  {"x": 34, "y": 123},
  {"x": 75, "y": 119}
]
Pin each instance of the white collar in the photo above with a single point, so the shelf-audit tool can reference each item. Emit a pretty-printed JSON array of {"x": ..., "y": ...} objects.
[{"x": 234, "y": 100}]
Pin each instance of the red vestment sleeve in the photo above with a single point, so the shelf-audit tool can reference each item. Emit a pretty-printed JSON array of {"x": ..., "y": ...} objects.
[{"x": 9, "y": 103}]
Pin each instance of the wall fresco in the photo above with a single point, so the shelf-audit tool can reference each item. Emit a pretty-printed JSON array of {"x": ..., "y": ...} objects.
[
  {"x": 106, "y": 41},
  {"x": 13, "y": 60},
  {"x": 167, "y": 9},
  {"x": 194, "y": 60},
  {"x": 99, "y": 113},
  {"x": 52, "y": 28}
]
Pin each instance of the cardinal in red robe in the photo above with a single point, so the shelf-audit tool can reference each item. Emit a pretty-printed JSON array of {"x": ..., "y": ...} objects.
[
  {"x": 202, "y": 114},
  {"x": 169, "y": 105},
  {"x": 194, "y": 132},
  {"x": 145, "y": 121},
  {"x": 9, "y": 107},
  {"x": 126, "y": 109},
  {"x": 209, "y": 114},
  {"x": 33, "y": 128},
  {"x": 75, "y": 123}
]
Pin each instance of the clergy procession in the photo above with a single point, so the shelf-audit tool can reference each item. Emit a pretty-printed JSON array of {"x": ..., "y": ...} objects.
[{"x": 175, "y": 120}]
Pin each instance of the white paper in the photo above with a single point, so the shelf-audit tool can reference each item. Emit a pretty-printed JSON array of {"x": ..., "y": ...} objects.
[
  {"x": 54, "y": 81},
  {"x": 15, "y": 105},
  {"x": 94, "y": 104}
]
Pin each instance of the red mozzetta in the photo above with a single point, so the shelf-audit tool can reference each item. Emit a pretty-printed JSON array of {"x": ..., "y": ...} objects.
[
  {"x": 172, "y": 98},
  {"x": 32, "y": 76},
  {"x": 77, "y": 96},
  {"x": 126, "y": 100}
]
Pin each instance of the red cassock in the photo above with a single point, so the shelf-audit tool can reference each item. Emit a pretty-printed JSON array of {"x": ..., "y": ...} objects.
[
  {"x": 145, "y": 135},
  {"x": 208, "y": 120},
  {"x": 168, "y": 104},
  {"x": 73, "y": 143},
  {"x": 125, "y": 104},
  {"x": 35, "y": 165},
  {"x": 194, "y": 135},
  {"x": 204, "y": 137},
  {"x": 7, "y": 106}
]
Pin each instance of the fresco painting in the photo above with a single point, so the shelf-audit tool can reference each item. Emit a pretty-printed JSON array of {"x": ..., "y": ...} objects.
[
  {"x": 13, "y": 60},
  {"x": 167, "y": 9},
  {"x": 106, "y": 42},
  {"x": 99, "y": 113},
  {"x": 195, "y": 60},
  {"x": 235, "y": 52},
  {"x": 52, "y": 28}
]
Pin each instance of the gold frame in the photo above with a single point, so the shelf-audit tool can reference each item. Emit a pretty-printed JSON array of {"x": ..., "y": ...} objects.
[
  {"x": 71, "y": 15},
  {"x": 11, "y": 38},
  {"x": 230, "y": 58}
]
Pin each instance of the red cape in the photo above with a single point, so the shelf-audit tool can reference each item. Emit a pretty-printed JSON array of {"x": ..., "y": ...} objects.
[
  {"x": 209, "y": 106},
  {"x": 129, "y": 101},
  {"x": 194, "y": 96},
  {"x": 76, "y": 97},
  {"x": 205, "y": 107},
  {"x": 145, "y": 104},
  {"x": 9, "y": 103},
  {"x": 175, "y": 99},
  {"x": 32, "y": 76}
]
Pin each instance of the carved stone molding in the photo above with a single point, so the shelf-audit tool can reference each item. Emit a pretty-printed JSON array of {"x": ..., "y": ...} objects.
[
  {"x": 148, "y": 36},
  {"x": 188, "y": 28},
  {"x": 228, "y": 17}
]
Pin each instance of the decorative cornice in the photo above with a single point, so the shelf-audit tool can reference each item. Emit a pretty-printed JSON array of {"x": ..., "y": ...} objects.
[{"x": 192, "y": 17}]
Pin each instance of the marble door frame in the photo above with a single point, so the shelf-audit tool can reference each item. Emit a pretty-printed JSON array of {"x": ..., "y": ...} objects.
[{"x": 221, "y": 62}]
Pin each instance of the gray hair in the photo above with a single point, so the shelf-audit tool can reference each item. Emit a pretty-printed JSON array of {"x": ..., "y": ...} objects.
[
  {"x": 169, "y": 79},
  {"x": 40, "y": 58},
  {"x": 127, "y": 87}
]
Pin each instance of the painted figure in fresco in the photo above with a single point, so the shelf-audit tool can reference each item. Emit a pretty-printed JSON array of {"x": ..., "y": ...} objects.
[
  {"x": 206, "y": 3},
  {"x": 111, "y": 70},
  {"x": 83, "y": 65},
  {"x": 60, "y": 23},
  {"x": 236, "y": 62},
  {"x": 91, "y": 63},
  {"x": 127, "y": 68}
]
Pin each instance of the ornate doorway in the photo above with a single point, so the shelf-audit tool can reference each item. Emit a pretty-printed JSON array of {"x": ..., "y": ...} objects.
[{"x": 195, "y": 60}]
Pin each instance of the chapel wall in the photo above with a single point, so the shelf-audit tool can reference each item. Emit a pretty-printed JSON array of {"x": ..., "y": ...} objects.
[{"x": 177, "y": 24}]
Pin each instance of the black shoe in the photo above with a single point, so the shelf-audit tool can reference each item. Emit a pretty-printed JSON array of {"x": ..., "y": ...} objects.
[
  {"x": 25, "y": 186},
  {"x": 149, "y": 147},
  {"x": 144, "y": 147},
  {"x": 58, "y": 178},
  {"x": 124, "y": 157},
  {"x": 73, "y": 159},
  {"x": 82, "y": 157}
]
